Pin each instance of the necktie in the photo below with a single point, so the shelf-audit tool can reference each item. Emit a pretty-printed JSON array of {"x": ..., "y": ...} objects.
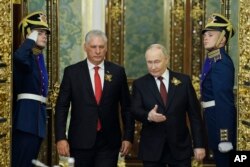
[
  {"x": 163, "y": 90},
  {"x": 98, "y": 91}
]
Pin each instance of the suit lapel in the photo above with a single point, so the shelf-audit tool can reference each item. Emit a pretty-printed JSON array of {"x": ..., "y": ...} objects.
[
  {"x": 106, "y": 84},
  {"x": 171, "y": 89},
  {"x": 85, "y": 80},
  {"x": 153, "y": 87}
]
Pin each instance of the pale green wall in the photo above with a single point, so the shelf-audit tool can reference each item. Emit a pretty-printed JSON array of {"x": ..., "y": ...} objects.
[
  {"x": 144, "y": 25},
  {"x": 212, "y": 6},
  {"x": 70, "y": 33},
  {"x": 36, "y": 5},
  {"x": 70, "y": 30}
]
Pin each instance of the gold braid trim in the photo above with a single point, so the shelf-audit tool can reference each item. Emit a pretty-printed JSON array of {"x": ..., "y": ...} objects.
[
  {"x": 215, "y": 54},
  {"x": 36, "y": 51}
]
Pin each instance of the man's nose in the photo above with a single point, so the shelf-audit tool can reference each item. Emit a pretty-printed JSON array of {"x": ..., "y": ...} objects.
[
  {"x": 153, "y": 65},
  {"x": 97, "y": 50}
]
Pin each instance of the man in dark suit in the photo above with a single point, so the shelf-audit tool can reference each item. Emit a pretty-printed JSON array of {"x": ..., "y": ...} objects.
[
  {"x": 217, "y": 83},
  {"x": 161, "y": 100},
  {"x": 94, "y": 88},
  {"x": 30, "y": 87}
]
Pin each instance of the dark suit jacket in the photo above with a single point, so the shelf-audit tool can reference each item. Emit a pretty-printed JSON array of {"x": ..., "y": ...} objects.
[
  {"x": 174, "y": 131},
  {"x": 76, "y": 89}
]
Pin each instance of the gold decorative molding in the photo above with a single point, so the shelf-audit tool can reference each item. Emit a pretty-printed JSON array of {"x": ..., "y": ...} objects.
[
  {"x": 177, "y": 35},
  {"x": 197, "y": 19},
  {"x": 53, "y": 96},
  {"x": 53, "y": 42},
  {"x": 48, "y": 152},
  {"x": 5, "y": 81},
  {"x": 53, "y": 71},
  {"x": 243, "y": 93},
  {"x": 115, "y": 30},
  {"x": 16, "y": 1}
]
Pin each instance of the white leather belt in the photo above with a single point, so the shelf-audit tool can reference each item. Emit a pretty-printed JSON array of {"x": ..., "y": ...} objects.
[
  {"x": 32, "y": 97},
  {"x": 208, "y": 104}
]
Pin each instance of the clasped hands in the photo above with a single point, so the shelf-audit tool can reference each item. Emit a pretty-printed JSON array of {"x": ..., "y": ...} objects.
[{"x": 153, "y": 116}]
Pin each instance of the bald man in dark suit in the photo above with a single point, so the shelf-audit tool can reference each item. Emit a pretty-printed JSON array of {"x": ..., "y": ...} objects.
[{"x": 161, "y": 100}]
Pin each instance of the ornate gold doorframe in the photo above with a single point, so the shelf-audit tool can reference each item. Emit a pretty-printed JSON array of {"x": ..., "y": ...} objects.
[
  {"x": 243, "y": 93},
  {"x": 114, "y": 30},
  {"x": 48, "y": 153},
  {"x": 187, "y": 18},
  {"x": 5, "y": 81}
]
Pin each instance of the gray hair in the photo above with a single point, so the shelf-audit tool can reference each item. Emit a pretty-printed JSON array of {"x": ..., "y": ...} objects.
[
  {"x": 159, "y": 46},
  {"x": 95, "y": 33}
]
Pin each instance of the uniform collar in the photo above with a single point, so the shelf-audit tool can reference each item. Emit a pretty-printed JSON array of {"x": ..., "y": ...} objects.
[
  {"x": 215, "y": 55},
  {"x": 36, "y": 51}
]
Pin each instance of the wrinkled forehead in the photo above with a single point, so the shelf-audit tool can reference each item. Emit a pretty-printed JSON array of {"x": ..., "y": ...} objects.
[
  {"x": 96, "y": 39},
  {"x": 154, "y": 52}
]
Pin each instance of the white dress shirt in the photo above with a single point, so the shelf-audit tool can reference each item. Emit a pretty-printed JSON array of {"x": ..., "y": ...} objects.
[
  {"x": 92, "y": 73},
  {"x": 165, "y": 80}
]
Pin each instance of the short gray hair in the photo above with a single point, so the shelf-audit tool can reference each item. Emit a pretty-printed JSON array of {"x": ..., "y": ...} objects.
[
  {"x": 159, "y": 46},
  {"x": 95, "y": 33}
]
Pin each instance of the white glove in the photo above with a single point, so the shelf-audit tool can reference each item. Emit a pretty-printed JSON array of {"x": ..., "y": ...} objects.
[
  {"x": 33, "y": 35},
  {"x": 225, "y": 147}
]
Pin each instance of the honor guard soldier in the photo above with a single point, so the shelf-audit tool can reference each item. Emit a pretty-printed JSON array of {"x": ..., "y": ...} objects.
[
  {"x": 30, "y": 88},
  {"x": 217, "y": 82}
]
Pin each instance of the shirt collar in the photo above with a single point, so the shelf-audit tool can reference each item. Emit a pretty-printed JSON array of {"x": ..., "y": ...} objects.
[
  {"x": 91, "y": 65},
  {"x": 165, "y": 75}
]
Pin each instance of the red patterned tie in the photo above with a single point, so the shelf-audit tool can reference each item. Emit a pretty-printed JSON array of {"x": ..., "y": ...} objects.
[
  {"x": 98, "y": 92},
  {"x": 163, "y": 91}
]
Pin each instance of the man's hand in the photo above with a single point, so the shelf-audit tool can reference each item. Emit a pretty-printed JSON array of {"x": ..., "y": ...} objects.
[
  {"x": 156, "y": 117},
  {"x": 63, "y": 148},
  {"x": 33, "y": 35},
  {"x": 125, "y": 148},
  {"x": 199, "y": 154}
]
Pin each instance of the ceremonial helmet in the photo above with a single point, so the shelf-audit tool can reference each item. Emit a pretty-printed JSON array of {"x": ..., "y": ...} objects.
[
  {"x": 217, "y": 22},
  {"x": 35, "y": 20}
]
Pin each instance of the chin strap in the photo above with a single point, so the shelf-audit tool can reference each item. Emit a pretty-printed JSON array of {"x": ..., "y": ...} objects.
[{"x": 220, "y": 39}]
